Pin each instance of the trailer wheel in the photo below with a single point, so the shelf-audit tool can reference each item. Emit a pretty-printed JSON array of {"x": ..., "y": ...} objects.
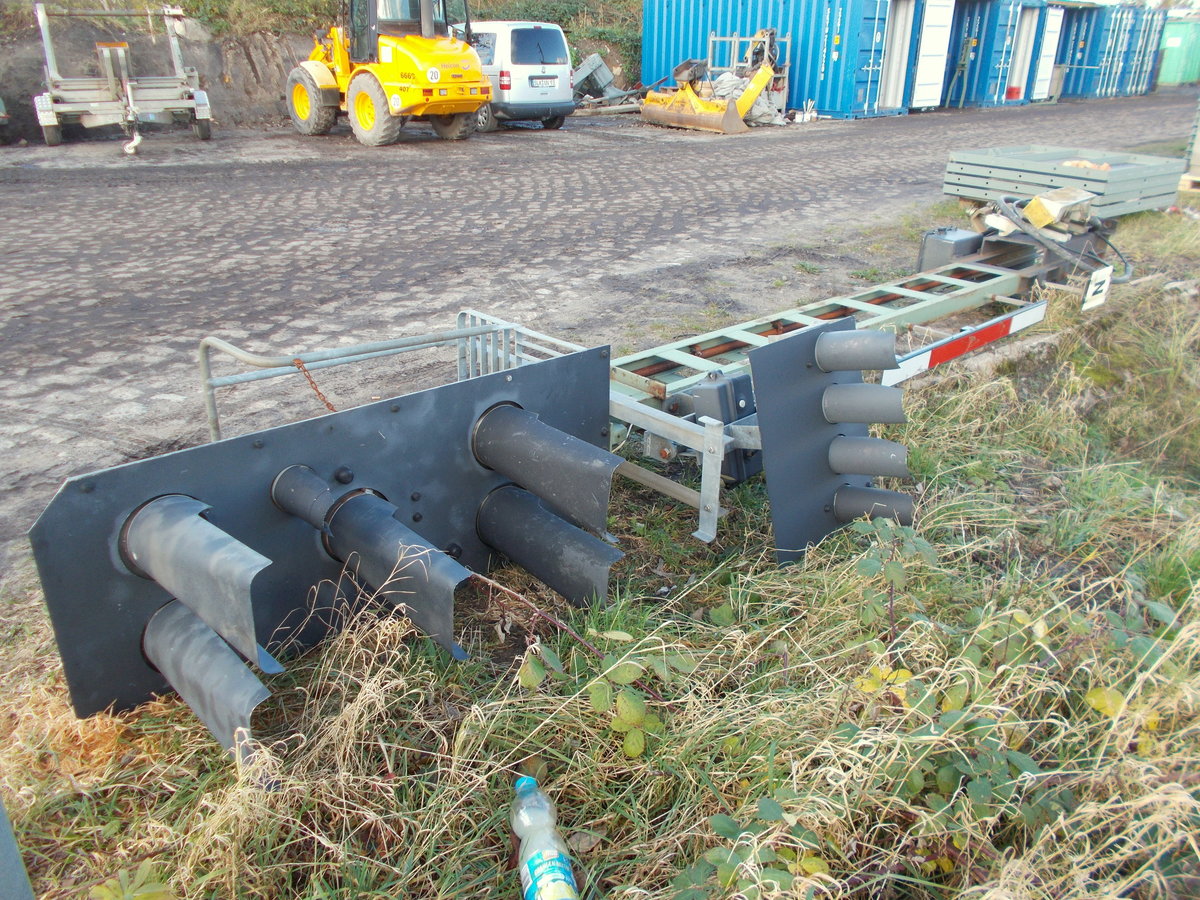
[
  {"x": 367, "y": 106},
  {"x": 52, "y": 134},
  {"x": 485, "y": 119},
  {"x": 454, "y": 128},
  {"x": 202, "y": 128},
  {"x": 304, "y": 104},
  {"x": 553, "y": 123}
]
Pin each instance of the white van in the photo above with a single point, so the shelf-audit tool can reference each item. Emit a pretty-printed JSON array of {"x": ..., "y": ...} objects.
[{"x": 530, "y": 69}]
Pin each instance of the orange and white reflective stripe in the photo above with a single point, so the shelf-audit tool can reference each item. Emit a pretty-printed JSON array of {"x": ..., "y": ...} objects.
[{"x": 960, "y": 344}]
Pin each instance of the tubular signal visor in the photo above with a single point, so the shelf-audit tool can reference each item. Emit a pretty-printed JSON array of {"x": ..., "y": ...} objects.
[{"x": 813, "y": 412}]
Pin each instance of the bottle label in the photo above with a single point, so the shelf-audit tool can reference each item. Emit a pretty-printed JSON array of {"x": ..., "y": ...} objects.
[{"x": 548, "y": 876}]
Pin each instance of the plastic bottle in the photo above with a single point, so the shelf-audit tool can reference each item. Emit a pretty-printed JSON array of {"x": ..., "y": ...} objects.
[{"x": 544, "y": 863}]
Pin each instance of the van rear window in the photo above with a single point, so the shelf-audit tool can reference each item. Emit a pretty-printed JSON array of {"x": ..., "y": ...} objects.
[{"x": 539, "y": 47}]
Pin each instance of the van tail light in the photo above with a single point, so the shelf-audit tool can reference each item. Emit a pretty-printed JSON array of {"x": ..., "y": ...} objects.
[{"x": 505, "y": 81}]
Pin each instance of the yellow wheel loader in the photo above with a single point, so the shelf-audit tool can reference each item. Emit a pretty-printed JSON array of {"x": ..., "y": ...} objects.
[
  {"x": 388, "y": 62},
  {"x": 689, "y": 107}
]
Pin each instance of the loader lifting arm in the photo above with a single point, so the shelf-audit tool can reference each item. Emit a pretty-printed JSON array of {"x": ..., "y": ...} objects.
[{"x": 687, "y": 108}]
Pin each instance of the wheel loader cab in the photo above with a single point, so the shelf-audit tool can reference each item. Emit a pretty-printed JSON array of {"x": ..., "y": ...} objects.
[{"x": 368, "y": 19}]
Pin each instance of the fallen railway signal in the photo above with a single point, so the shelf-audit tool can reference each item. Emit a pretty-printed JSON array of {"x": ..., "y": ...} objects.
[
  {"x": 175, "y": 572},
  {"x": 813, "y": 413}
]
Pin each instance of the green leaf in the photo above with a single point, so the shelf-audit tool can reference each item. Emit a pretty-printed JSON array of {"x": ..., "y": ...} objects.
[
  {"x": 914, "y": 781},
  {"x": 532, "y": 672},
  {"x": 861, "y": 526},
  {"x": 682, "y": 662},
  {"x": 893, "y": 572},
  {"x": 661, "y": 668},
  {"x": 948, "y": 778},
  {"x": 1161, "y": 612},
  {"x": 1148, "y": 650},
  {"x": 620, "y": 726},
  {"x": 1023, "y": 763},
  {"x": 814, "y": 865},
  {"x": 600, "y": 695},
  {"x": 726, "y": 827},
  {"x": 631, "y": 707},
  {"x": 807, "y": 837},
  {"x": 623, "y": 636},
  {"x": 634, "y": 744},
  {"x": 979, "y": 790},
  {"x": 955, "y": 697},
  {"x": 782, "y": 880},
  {"x": 624, "y": 673},
  {"x": 551, "y": 658},
  {"x": 769, "y": 810},
  {"x": 726, "y": 874},
  {"x": 720, "y": 856},
  {"x": 652, "y": 724},
  {"x": 868, "y": 566},
  {"x": 722, "y": 615}
]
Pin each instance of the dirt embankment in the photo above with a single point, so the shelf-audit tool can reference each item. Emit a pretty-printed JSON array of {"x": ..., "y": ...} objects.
[{"x": 244, "y": 76}]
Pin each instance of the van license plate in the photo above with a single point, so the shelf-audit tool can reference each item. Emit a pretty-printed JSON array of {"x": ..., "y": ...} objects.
[{"x": 542, "y": 82}]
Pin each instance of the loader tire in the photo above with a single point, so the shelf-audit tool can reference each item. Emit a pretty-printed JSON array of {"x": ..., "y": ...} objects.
[
  {"x": 367, "y": 106},
  {"x": 485, "y": 119},
  {"x": 202, "y": 128},
  {"x": 553, "y": 123},
  {"x": 454, "y": 128},
  {"x": 52, "y": 135},
  {"x": 304, "y": 104}
]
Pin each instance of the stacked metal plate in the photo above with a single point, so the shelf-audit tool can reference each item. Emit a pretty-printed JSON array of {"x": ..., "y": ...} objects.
[{"x": 1122, "y": 182}]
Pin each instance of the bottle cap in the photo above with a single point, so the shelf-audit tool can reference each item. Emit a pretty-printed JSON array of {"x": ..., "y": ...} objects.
[{"x": 525, "y": 783}]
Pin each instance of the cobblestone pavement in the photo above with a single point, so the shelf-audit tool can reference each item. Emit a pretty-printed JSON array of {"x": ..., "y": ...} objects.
[{"x": 114, "y": 267}]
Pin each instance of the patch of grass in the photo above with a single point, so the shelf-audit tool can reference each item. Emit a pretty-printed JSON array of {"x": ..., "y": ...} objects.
[{"x": 808, "y": 268}]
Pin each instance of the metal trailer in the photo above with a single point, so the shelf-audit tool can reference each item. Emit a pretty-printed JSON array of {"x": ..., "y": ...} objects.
[
  {"x": 996, "y": 56},
  {"x": 118, "y": 96}
]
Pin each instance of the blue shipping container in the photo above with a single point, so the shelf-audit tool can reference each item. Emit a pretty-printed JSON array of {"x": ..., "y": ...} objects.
[
  {"x": 1142, "y": 53},
  {"x": 853, "y": 58},
  {"x": 995, "y": 52},
  {"x": 1094, "y": 45}
]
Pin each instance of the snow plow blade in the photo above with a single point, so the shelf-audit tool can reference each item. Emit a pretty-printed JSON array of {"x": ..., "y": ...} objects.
[{"x": 685, "y": 109}]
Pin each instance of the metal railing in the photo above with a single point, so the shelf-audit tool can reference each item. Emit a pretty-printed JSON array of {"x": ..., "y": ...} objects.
[{"x": 471, "y": 358}]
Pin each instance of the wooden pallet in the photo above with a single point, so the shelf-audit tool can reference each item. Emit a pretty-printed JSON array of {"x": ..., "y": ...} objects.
[{"x": 1190, "y": 181}]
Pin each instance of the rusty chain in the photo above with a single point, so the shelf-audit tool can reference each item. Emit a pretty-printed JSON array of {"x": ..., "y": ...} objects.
[{"x": 299, "y": 364}]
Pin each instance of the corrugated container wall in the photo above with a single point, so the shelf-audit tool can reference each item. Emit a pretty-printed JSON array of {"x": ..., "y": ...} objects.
[
  {"x": 1138, "y": 73},
  {"x": 1180, "y": 52},
  {"x": 1080, "y": 24},
  {"x": 852, "y": 57},
  {"x": 1110, "y": 51},
  {"x": 995, "y": 53}
]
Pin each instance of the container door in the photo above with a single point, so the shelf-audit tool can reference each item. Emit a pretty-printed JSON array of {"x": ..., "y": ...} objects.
[
  {"x": 1110, "y": 61},
  {"x": 1021, "y": 57},
  {"x": 933, "y": 45},
  {"x": 871, "y": 35},
  {"x": 896, "y": 50},
  {"x": 1045, "y": 65}
]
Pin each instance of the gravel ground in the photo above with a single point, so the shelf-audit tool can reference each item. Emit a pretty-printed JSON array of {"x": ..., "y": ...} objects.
[{"x": 608, "y": 231}]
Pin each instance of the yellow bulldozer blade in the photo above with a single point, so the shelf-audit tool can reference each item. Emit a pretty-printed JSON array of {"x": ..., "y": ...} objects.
[{"x": 685, "y": 109}]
